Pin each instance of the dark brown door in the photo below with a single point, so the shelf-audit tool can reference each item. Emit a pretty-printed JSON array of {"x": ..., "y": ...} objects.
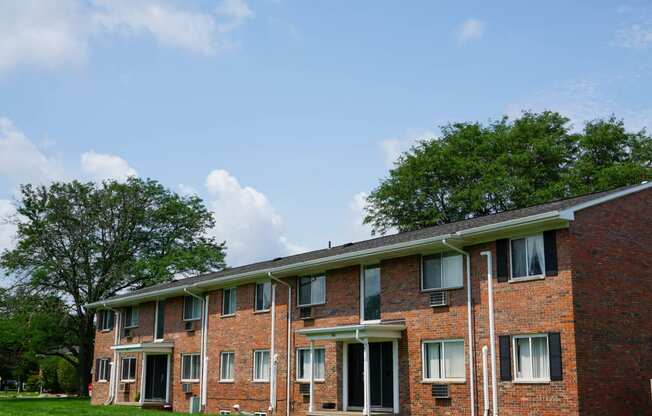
[
  {"x": 381, "y": 374},
  {"x": 156, "y": 377}
]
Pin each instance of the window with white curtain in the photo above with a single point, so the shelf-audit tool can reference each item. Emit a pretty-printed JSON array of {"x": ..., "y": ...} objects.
[
  {"x": 531, "y": 361},
  {"x": 443, "y": 360},
  {"x": 227, "y": 361},
  {"x": 303, "y": 364},
  {"x": 441, "y": 271},
  {"x": 527, "y": 256},
  {"x": 261, "y": 365},
  {"x": 312, "y": 290}
]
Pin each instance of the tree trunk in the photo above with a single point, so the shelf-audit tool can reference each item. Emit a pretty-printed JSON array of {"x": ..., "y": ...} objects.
[{"x": 85, "y": 357}]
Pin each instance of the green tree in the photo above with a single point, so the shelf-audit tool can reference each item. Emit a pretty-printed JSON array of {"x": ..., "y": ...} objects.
[
  {"x": 475, "y": 169},
  {"x": 84, "y": 242}
]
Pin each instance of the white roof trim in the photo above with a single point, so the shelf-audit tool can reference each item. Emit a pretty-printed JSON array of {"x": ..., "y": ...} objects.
[
  {"x": 144, "y": 347},
  {"x": 569, "y": 213},
  {"x": 352, "y": 332}
]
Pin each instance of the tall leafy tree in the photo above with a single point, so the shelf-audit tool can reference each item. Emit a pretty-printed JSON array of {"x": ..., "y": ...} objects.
[
  {"x": 85, "y": 242},
  {"x": 475, "y": 169}
]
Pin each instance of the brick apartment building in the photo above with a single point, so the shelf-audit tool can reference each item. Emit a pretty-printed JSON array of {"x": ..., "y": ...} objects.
[{"x": 405, "y": 323}]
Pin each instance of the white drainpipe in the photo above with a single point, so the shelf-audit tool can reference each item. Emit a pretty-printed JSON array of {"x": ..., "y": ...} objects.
[
  {"x": 204, "y": 368},
  {"x": 114, "y": 366},
  {"x": 492, "y": 334},
  {"x": 289, "y": 338},
  {"x": 485, "y": 381},
  {"x": 469, "y": 312},
  {"x": 272, "y": 353},
  {"x": 202, "y": 351}
]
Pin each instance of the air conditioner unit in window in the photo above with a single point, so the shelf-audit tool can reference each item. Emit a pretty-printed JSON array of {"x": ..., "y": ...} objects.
[
  {"x": 441, "y": 391},
  {"x": 190, "y": 326},
  {"x": 305, "y": 312},
  {"x": 126, "y": 332},
  {"x": 124, "y": 387},
  {"x": 438, "y": 299},
  {"x": 186, "y": 388},
  {"x": 304, "y": 389},
  {"x": 225, "y": 412}
]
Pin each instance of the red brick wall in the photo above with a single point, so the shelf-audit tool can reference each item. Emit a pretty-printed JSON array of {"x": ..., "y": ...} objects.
[{"x": 612, "y": 257}]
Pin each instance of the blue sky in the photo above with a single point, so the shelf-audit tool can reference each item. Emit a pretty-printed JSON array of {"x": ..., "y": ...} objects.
[{"x": 282, "y": 114}]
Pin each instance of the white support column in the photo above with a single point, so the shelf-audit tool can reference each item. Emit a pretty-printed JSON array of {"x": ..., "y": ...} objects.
[
  {"x": 396, "y": 378},
  {"x": 168, "y": 382},
  {"x": 345, "y": 376},
  {"x": 143, "y": 372},
  {"x": 311, "y": 406},
  {"x": 366, "y": 410}
]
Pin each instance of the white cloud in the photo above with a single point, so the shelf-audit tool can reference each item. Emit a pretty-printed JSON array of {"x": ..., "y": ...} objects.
[
  {"x": 358, "y": 230},
  {"x": 7, "y": 228},
  {"x": 392, "y": 148},
  {"x": 101, "y": 166},
  {"x": 245, "y": 218},
  {"x": 469, "y": 30},
  {"x": 21, "y": 161},
  {"x": 50, "y": 34},
  {"x": 636, "y": 36}
]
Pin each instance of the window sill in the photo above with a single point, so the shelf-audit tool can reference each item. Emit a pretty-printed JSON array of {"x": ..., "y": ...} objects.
[
  {"x": 531, "y": 381},
  {"x": 442, "y": 289},
  {"x": 526, "y": 279},
  {"x": 260, "y": 381},
  {"x": 444, "y": 381},
  {"x": 227, "y": 381},
  {"x": 192, "y": 320},
  {"x": 189, "y": 381},
  {"x": 311, "y": 304},
  {"x": 128, "y": 381},
  {"x": 130, "y": 327},
  {"x": 102, "y": 381},
  {"x": 231, "y": 315},
  {"x": 262, "y": 311},
  {"x": 320, "y": 381},
  {"x": 106, "y": 330}
]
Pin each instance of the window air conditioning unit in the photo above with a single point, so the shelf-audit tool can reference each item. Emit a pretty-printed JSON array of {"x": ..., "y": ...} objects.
[
  {"x": 186, "y": 388},
  {"x": 190, "y": 326},
  {"x": 439, "y": 299},
  {"x": 126, "y": 332},
  {"x": 225, "y": 412},
  {"x": 304, "y": 389},
  {"x": 305, "y": 312},
  {"x": 441, "y": 391},
  {"x": 124, "y": 387}
]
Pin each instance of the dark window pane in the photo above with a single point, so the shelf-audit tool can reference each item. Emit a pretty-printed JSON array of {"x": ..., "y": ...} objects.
[
  {"x": 371, "y": 293},
  {"x": 432, "y": 272},
  {"x": 263, "y": 296},
  {"x": 518, "y": 258},
  {"x": 304, "y": 290},
  {"x": 160, "y": 319}
]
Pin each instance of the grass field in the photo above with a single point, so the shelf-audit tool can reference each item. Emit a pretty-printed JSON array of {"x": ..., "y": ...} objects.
[{"x": 72, "y": 407}]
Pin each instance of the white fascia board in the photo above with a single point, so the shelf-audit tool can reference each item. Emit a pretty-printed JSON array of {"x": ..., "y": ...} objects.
[
  {"x": 483, "y": 229},
  {"x": 569, "y": 213}
]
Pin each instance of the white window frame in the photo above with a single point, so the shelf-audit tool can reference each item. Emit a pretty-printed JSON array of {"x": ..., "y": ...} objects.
[
  {"x": 442, "y": 348},
  {"x": 312, "y": 303},
  {"x": 362, "y": 269},
  {"x": 132, "y": 377},
  {"x": 192, "y": 318},
  {"x": 518, "y": 379},
  {"x": 306, "y": 378},
  {"x": 103, "y": 364},
  {"x": 190, "y": 380},
  {"x": 235, "y": 300},
  {"x": 261, "y": 380},
  {"x": 441, "y": 265},
  {"x": 256, "y": 296},
  {"x": 541, "y": 275},
  {"x": 134, "y": 317},
  {"x": 222, "y": 379}
]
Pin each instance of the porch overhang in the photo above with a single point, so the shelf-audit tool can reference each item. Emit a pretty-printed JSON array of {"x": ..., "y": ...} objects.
[
  {"x": 375, "y": 331},
  {"x": 149, "y": 347}
]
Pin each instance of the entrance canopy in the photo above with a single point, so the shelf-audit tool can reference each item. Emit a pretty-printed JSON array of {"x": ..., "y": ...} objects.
[
  {"x": 151, "y": 347},
  {"x": 376, "y": 331}
]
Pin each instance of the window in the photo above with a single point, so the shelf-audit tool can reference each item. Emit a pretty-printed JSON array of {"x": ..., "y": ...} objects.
[
  {"x": 228, "y": 301},
  {"x": 263, "y": 296},
  {"x": 261, "y": 365},
  {"x": 441, "y": 271},
  {"x": 371, "y": 293},
  {"x": 189, "y": 367},
  {"x": 531, "y": 358},
  {"x": 527, "y": 256},
  {"x": 312, "y": 290},
  {"x": 159, "y": 329},
  {"x": 227, "y": 360},
  {"x": 131, "y": 316},
  {"x": 105, "y": 320},
  {"x": 303, "y": 364},
  {"x": 191, "y": 308},
  {"x": 128, "y": 369},
  {"x": 443, "y": 360},
  {"x": 103, "y": 369}
]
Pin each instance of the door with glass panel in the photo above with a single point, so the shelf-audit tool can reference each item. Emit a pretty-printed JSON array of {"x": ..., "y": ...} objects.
[{"x": 381, "y": 375}]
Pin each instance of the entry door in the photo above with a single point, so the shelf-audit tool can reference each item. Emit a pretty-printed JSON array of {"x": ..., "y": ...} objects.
[
  {"x": 156, "y": 377},
  {"x": 381, "y": 371}
]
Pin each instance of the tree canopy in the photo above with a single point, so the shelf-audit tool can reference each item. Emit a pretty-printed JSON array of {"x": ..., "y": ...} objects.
[
  {"x": 475, "y": 169},
  {"x": 84, "y": 242}
]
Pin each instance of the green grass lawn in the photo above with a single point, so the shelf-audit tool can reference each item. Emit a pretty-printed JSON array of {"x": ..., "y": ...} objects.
[{"x": 73, "y": 407}]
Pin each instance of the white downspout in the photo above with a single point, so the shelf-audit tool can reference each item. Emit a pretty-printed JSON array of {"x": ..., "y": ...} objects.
[
  {"x": 289, "y": 338},
  {"x": 114, "y": 367},
  {"x": 202, "y": 351},
  {"x": 492, "y": 333},
  {"x": 469, "y": 312},
  {"x": 272, "y": 353},
  {"x": 204, "y": 369},
  {"x": 485, "y": 381}
]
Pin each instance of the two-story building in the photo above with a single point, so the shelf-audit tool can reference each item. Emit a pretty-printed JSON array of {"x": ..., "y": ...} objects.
[{"x": 545, "y": 310}]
